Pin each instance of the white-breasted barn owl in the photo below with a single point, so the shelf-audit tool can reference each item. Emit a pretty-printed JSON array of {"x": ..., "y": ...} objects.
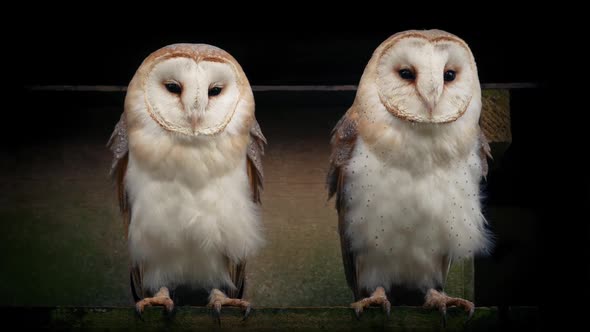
[
  {"x": 406, "y": 164},
  {"x": 187, "y": 164}
]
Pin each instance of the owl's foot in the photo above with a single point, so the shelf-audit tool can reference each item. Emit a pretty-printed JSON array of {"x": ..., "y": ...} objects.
[
  {"x": 440, "y": 301},
  {"x": 162, "y": 297},
  {"x": 377, "y": 298},
  {"x": 217, "y": 299}
]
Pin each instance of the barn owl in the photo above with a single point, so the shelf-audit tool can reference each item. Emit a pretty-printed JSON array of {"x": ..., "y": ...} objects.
[
  {"x": 406, "y": 164},
  {"x": 187, "y": 165}
]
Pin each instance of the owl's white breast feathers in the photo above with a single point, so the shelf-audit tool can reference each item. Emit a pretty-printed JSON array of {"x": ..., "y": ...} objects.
[
  {"x": 191, "y": 205},
  {"x": 412, "y": 197}
]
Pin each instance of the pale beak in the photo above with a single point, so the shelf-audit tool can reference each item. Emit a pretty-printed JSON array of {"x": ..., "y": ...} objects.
[
  {"x": 430, "y": 90},
  {"x": 193, "y": 117},
  {"x": 433, "y": 101},
  {"x": 194, "y": 120}
]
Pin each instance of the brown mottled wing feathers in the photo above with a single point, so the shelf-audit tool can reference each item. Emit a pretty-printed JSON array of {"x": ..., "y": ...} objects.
[
  {"x": 254, "y": 161},
  {"x": 237, "y": 271},
  {"x": 343, "y": 141},
  {"x": 118, "y": 144}
]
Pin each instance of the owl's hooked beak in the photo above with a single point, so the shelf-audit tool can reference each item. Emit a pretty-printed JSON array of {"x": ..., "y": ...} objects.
[
  {"x": 430, "y": 91},
  {"x": 194, "y": 119}
]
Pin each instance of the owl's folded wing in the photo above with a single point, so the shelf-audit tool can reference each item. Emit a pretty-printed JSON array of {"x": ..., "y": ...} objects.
[
  {"x": 119, "y": 146},
  {"x": 254, "y": 161},
  {"x": 237, "y": 271},
  {"x": 343, "y": 140}
]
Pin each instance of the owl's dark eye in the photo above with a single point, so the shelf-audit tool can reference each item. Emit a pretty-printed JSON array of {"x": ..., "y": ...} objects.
[
  {"x": 173, "y": 87},
  {"x": 450, "y": 75},
  {"x": 407, "y": 74},
  {"x": 214, "y": 91}
]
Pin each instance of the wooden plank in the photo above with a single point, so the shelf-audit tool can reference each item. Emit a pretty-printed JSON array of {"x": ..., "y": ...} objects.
[
  {"x": 268, "y": 319},
  {"x": 460, "y": 281},
  {"x": 495, "y": 115}
]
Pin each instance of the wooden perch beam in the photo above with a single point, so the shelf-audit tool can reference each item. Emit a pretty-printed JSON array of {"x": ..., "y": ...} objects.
[{"x": 271, "y": 319}]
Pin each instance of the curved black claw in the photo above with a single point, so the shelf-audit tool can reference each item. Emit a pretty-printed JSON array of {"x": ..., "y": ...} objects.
[
  {"x": 443, "y": 312},
  {"x": 217, "y": 314},
  {"x": 169, "y": 313},
  {"x": 247, "y": 313},
  {"x": 138, "y": 313},
  {"x": 357, "y": 313},
  {"x": 470, "y": 315},
  {"x": 387, "y": 309}
]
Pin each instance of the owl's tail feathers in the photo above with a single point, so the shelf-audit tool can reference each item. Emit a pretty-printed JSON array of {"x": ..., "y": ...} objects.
[
  {"x": 217, "y": 299},
  {"x": 162, "y": 298},
  {"x": 440, "y": 301},
  {"x": 378, "y": 297}
]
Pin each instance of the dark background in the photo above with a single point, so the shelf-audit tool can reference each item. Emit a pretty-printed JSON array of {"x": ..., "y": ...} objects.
[
  {"x": 540, "y": 172},
  {"x": 111, "y": 56}
]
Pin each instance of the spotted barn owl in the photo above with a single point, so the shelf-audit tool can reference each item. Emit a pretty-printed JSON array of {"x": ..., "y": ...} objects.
[
  {"x": 406, "y": 164},
  {"x": 187, "y": 164}
]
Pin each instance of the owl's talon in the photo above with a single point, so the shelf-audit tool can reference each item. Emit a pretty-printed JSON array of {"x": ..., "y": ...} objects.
[
  {"x": 169, "y": 305},
  {"x": 357, "y": 312},
  {"x": 217, "y": 299},
  {"x": 217, "y": 317},
  {"x": 170, "y": 312},
  {"x": 161, "y": 298},
  {"x": 436, "y": 299},
  {"x": 470, "y": 315},
  {"x": 387, "y": 308},
  {"x": 358, "y": 309},
  {"x": 139, "y": 312},
  {"x": 378, "y": 297},
  {"x": 247, "y": 312},
  {"x": 216, "y": 312},
  {"x": 443, "y": 314}
]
